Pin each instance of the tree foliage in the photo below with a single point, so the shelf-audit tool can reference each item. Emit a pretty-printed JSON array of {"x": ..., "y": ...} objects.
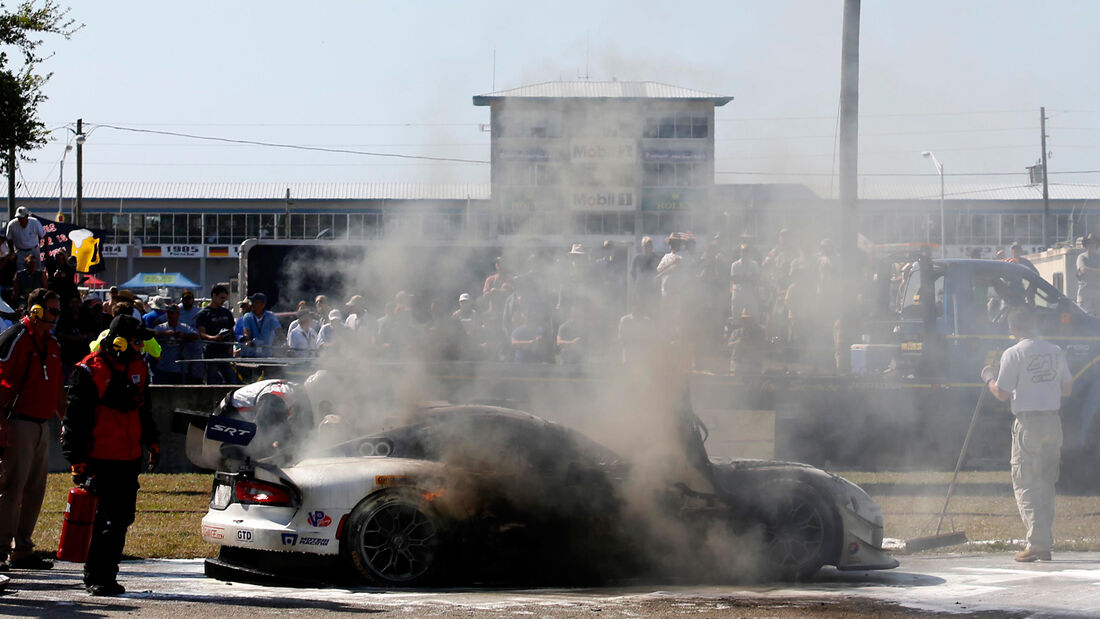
[{"x": 21, "y": 82}]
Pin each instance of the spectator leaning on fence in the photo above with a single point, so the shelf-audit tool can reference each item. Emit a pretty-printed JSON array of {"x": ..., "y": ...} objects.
[
  {"x": 173, "y": 336},
  {"x": 260, "y": 328},
  {"x": 215, "y": 325}
]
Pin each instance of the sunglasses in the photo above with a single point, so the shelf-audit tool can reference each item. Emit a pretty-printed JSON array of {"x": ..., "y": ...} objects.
[{"x": 53, "y": 311}]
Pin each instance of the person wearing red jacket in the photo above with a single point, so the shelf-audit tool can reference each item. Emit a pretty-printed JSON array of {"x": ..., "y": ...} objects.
[
  {"x": 107, "y": 421},
  {"x": 31, "y": 382}
]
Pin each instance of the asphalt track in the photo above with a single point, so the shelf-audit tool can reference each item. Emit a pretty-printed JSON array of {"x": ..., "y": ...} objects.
[{"x": 985, "y": 584}]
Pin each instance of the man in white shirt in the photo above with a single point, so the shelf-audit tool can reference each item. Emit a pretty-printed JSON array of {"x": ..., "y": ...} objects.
[
  {"x": 24, "y": 235},
  {"x": 302, "y": 339},
  {"x": 1088, "y": 275},
  {"x": 1035, "y": 375}
]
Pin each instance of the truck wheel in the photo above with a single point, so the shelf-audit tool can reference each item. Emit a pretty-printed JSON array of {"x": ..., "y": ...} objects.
[
  {"x": 394, "y": 539},
  {"x": 801, "y": 531}
]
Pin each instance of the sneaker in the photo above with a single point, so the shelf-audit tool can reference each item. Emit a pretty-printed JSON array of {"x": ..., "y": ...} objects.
[
  {"x": 109, "y": 589},
  {"x": 29, "y": 562},
  {"x": 1030, "y": 554}
]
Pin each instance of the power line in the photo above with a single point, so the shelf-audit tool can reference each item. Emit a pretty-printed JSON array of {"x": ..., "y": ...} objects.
[
  {"x": 898, "y": 174},
  {"x": 886, "y": 115},
  {"x": 192, "y": 145},
  {"x": 305, "y": 125},
  {"x": 288, "y": 146},
  {"x": 241, "y": 164},
  {"x": 871, "y": 133}
]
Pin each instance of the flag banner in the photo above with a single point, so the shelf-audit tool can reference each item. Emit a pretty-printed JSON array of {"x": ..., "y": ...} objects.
[{"x": 84, "y": 243}]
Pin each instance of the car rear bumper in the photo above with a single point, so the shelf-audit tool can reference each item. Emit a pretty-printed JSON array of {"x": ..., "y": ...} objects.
[{"x": 260, "y": 527}]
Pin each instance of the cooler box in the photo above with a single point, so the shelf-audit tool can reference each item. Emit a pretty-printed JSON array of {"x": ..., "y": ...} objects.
[{"x": 871, "y": 358}]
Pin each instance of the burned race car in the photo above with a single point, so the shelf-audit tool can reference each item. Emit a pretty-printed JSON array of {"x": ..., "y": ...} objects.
[{"x": 460, "y": 494}]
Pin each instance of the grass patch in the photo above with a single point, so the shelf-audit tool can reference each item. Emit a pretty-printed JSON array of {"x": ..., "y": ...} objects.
[
  {"x": 983, "y": 505},
  {"x": 169, "y": 512},
  {"x": 171, "y": 507}
]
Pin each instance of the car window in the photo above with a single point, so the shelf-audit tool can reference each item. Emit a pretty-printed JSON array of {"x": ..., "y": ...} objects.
[
  {"x": 910, "y": 300},
  {"x": 997, "y": 294}
]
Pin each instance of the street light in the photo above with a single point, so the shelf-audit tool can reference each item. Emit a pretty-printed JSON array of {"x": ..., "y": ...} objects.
[
  {"x": 78, "y": 208},
  {"x": 939, "y": 168},
  {"x": 61, "y": 181}
]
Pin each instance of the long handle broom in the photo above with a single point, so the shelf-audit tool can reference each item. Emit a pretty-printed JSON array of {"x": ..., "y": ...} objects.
[{"x": 939, "y": 540}]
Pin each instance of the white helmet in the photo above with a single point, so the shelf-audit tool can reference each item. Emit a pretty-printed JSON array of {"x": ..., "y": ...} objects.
[{"x": 321, "y": 388}]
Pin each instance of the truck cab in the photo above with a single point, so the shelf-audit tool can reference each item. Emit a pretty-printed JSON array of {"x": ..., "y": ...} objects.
[{"x": 972, "y": 301}]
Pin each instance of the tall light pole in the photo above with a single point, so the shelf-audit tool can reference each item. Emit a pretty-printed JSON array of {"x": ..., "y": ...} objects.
[
  {"x": 78, "y": 209},
  {"x": 61, "y": 181},
  {"x": 943, "y": 229}
]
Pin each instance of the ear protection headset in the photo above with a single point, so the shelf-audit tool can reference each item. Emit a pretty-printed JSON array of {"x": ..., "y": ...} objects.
[
  {"x": 119, "y": 344},
  {"x": 37, "y": 312}
]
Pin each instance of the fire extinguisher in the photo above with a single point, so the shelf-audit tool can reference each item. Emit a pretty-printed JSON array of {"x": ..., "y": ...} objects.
[{"x": 76, "y": 530}]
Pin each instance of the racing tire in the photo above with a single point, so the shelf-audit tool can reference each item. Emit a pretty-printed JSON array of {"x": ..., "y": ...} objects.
[
  {"x": 395, "y": 539},
  {"x": 801, "y": 532}
]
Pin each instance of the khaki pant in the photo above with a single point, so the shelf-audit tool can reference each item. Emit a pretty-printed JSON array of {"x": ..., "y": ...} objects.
[
  {"x": 22, "y": 485},
  {"x": 1036, "y": 451}
]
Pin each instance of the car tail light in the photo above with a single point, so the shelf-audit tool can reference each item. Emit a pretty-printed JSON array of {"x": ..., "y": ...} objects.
[{"x": 255, "y": 492}]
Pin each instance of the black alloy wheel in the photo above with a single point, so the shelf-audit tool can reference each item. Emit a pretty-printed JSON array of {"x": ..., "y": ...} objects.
[
  {"x": 801, "y": 531},
  {"x": 394, "y": 539}
]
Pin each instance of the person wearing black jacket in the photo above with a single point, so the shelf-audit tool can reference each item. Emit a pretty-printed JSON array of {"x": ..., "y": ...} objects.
[{"x": 107, "y": 421}]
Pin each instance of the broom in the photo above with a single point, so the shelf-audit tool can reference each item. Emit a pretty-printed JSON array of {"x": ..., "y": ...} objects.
[{"x": 939, "y": 540}]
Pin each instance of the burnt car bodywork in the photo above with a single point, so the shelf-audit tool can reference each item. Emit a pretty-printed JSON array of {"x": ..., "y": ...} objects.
[{"x": 485, "y": 494}]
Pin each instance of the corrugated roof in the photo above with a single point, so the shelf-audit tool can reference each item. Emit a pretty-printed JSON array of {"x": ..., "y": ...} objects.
[
  {"x": 601, "y": 90},
  {"x": 261, "y": 191},
  {"x": 873, "y": 190}
]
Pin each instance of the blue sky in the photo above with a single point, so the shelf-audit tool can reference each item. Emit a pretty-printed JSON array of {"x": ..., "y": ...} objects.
[{"x": 964, "y": 79}]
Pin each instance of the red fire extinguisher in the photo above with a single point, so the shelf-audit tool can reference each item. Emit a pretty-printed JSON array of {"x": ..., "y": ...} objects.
[{"x": 76, "y": 530}]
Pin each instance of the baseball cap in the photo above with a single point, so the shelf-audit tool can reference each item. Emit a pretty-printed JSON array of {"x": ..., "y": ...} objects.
[
  {"x": 22, "y": 212},
  {"x": 130, "y": 328},
  {"x": 172, "y": 308},
  {"x": 259, "y": 297},
  {"x": 335, "y": 315},
  {"x": 187, "y": 293},
  {"x": 465, "y": 296}
]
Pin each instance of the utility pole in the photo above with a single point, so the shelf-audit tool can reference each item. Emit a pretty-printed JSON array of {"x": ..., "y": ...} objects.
[
  {"x": 11, "y": 183},
  {"x": 849, "y": 172},
  {"x": 78, "y": 209},
  {"x": 1046, "y": 192}
]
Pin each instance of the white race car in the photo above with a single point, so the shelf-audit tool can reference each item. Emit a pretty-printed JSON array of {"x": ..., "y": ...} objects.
[{"x": 483, "y": 494}]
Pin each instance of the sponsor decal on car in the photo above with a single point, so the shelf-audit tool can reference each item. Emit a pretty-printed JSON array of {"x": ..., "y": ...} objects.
[
  {"x": 318, "y": 519},
  {"x": 212, "y": 532},
  {"x": 244, "y": 535},
  {"x": 290, "y": 539},
  {"x": 853, "y": 548},
  {"x": 313, "y": 541}
]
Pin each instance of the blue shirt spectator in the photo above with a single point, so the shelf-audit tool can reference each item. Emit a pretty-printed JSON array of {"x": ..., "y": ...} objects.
[
  {"x": 259, "y": 328},
  {"x": 527, "y": 343}
]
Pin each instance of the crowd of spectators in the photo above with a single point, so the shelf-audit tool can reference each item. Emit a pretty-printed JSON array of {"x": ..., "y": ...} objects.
[{"x": 721, "y": 307}]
